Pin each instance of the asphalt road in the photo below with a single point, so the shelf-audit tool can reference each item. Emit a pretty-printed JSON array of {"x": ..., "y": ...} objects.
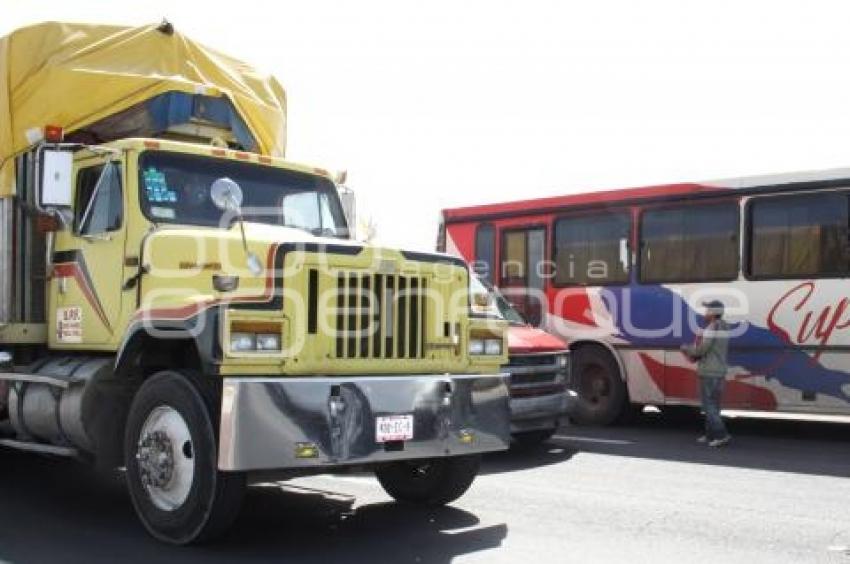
[{"x": 643, "y": 492}]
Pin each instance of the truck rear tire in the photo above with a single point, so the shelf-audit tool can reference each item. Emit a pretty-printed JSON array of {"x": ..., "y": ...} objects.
[
  {"x": 171, "y": 457},
  {"x": 602, "y": 395},
  {"x": 436, "y": 481}
]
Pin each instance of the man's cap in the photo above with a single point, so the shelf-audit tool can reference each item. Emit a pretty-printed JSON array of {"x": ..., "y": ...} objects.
[{"x": 714, "y": 307}]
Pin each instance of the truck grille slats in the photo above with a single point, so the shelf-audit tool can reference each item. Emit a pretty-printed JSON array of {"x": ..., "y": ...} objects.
[
  {"x": 313, "y": 302},
  {"x": 378, "y": 308},
  {"x": 388, "y": 317},
  {"x": 380, "y": 316},
  {"x": 351, "y": 314},
  {"x": 414, "y": 318},
  {"x": 340, "y": 316},
  {"x": 366, "y": 302},
  {"x": 401, "y": 334}
]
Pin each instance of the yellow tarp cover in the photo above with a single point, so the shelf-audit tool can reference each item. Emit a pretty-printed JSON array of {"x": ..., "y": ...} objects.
[{"x": 73, "y": 75}]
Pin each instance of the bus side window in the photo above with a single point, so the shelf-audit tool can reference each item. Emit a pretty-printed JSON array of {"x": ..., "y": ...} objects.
[
  {"x": 798, "y": 236},
  {"x": 592, "y": 249},
  {"x": 485, "y": 251},
  {"x": 692, "y": 243}
]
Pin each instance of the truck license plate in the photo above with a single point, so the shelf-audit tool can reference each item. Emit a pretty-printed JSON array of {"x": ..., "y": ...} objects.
[{"x": 394, "y": 428}]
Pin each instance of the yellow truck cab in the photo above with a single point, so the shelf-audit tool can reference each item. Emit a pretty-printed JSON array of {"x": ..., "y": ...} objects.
[{"x": 179, "y": 300}]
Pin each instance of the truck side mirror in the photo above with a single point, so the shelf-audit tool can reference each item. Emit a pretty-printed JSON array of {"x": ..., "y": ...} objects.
[
  {"x": 56, "y": 188},
  {"x": 349, "y": 208}
]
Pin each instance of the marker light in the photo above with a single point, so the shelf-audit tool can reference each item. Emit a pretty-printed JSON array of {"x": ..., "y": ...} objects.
[
  {"x": 306, "y": 450},
  {"x": 53, "y": 133},
  {"x": 225, "y": 283}
]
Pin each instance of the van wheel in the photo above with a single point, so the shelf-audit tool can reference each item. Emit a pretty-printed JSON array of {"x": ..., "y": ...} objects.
[
  {"x": 602, "y": 392},
  {"x": 436, "y": 481},
  {"x": 170, "y": 453}
]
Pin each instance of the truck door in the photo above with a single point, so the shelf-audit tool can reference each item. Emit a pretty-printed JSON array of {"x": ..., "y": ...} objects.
[{"x": 88, "y": 260}]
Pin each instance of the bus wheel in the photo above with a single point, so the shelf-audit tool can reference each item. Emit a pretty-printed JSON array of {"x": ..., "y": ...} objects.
[
  {"x": 435, "y": 481},
  {"x": 170, "y": 453},
  {"x": 601, "y": 390}
]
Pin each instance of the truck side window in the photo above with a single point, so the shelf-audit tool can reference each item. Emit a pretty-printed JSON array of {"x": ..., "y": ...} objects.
[{"x": 99, "y": 206}]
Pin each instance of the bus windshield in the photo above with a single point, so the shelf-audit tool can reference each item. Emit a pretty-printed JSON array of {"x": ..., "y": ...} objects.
[{"x": 175, "y": 188}]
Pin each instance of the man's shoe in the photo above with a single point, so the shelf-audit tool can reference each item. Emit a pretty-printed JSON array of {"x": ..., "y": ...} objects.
[
  {"x": 720, "y": 442},
  {"x": 702, "y": 439}
]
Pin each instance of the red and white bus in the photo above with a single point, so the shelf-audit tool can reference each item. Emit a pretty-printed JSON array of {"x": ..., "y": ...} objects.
[{"x": 621, "y": 276}]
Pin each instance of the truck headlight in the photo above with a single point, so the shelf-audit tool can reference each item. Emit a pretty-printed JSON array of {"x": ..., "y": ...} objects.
[
  {"x": 493, "y": 346},
  {"x": 259, "y": 337},
  {"x": 243, "y": 342},
  {"x": 476, "y": 346},
  {"x": 268, "y": 342}
]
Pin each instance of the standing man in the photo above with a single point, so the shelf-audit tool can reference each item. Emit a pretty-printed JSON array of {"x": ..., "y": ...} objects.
[{"x": 709, "y": 352}]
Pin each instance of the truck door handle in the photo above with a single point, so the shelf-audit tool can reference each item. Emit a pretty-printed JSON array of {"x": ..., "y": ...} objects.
[{"x": 134, "y": 279}]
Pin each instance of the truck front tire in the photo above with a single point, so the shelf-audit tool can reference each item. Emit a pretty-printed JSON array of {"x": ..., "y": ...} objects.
[
  {"x": 170, "y": 453},
  {"x": 436, "y": 481}
]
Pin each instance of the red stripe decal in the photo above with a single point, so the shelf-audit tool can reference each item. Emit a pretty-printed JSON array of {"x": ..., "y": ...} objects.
[{"x": 79, "y": 274}]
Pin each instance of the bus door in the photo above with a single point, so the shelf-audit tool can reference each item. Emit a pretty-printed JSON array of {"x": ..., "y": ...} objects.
[{"x": 521, "y": 272}]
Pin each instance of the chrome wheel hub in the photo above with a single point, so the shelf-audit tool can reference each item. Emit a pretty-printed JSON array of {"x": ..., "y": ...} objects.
[
  {"x": 165, "y": 456},
  {"x": 156, "y": 460}
]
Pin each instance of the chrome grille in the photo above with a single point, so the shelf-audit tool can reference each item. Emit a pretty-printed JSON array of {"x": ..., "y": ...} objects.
[
  {"x": 536, "y": 375},
  {"x": 380, "y": 316}
]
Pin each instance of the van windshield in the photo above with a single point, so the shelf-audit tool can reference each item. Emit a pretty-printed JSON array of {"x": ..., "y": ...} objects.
[
  {"x": 175, "y": 188},
  {"x": 497, "y": 306}
]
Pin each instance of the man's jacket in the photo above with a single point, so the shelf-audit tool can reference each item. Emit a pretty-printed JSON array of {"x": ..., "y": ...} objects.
[{"x": 710, "y": 350}]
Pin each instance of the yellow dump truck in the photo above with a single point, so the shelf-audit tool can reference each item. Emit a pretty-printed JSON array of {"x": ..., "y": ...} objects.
[{"x": 179, "y": 301}]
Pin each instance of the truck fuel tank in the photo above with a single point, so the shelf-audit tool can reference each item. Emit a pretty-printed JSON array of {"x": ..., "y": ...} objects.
[{"x": 53, "y": 403}]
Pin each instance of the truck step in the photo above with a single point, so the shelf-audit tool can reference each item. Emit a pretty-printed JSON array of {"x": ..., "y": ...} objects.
[
  {"x": 34, "y": 378},
  {"x": 39, "y": 448}
]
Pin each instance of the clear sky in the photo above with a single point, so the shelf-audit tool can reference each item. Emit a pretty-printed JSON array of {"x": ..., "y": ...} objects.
[{"x": 446, "y": 103}]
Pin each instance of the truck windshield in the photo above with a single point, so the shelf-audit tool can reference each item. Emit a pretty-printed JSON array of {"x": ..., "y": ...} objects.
[{"x": 175, "y": 188}]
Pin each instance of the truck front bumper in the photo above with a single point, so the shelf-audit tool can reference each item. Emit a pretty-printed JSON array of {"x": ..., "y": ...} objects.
[{"x": 302, "y": 423}]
